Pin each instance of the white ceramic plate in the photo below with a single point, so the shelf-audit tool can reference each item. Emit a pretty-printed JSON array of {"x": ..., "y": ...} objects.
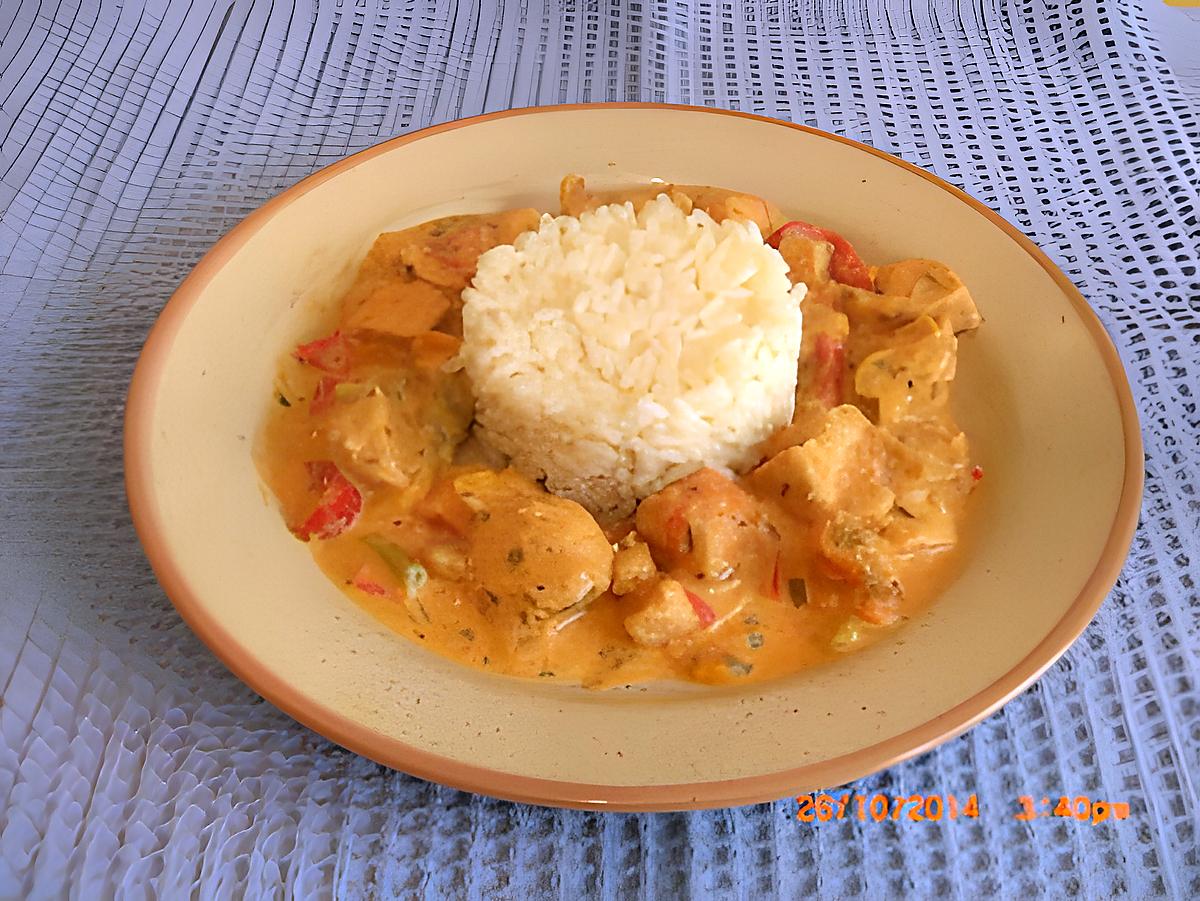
[{"x": 1040, "y": 392}]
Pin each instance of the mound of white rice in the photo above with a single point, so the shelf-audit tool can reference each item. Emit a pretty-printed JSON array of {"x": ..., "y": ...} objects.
[{"x": 614, "y": 353}]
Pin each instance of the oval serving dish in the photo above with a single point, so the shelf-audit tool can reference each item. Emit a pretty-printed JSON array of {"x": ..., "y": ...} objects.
[{"x": 1040, "y": 391}]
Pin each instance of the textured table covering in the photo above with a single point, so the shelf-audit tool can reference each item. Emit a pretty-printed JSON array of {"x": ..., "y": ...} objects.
[{"x": 132, "y": 764}]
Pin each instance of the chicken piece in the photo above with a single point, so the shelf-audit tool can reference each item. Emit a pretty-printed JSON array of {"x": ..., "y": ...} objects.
[
  {"x": 935, "y": 457},
  {"x": 723, "y": 204},
  {"x": 411, "y": 280},
  {"x": 877, "y": 316},
  {"x": 664, "y": 613},
  {"x": 720, "y": 203},
  {"x": 934, "y": 290},
  {"x": 909, "y": 376},
  {"x": 846, "y": 467},
  {"x": 398, "y": 417},
  {"x": 574, "y": 199},
  {"x": 400, "y": 307},
  {"x": 704, "y": 523},
  {"x": 859, "y": 556},
  {"x": 866, "y": 471},
  {"x": 384, "y": 443},
  {"x": 632, "y": 565},
  {"x": 387, "y": 298},
  {"x": 530, "y": 548},
  {"x": 808, "y": 260},
  {"x": 932, "y": 531},
  {"x": 446, "y": 251},
  {"x": 444, "y": 508}
]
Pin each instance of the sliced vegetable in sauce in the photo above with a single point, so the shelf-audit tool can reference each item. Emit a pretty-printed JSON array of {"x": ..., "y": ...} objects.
[
  {"x": 678, "y": 533},
  {"x": 338, "y": 508},
  {"x": 363, "y": 582},
  {"x": 411, "y": 574},
  {"x": 329, "y": 354},
  {"x": 706, "y": 614},
  {"x": 323, "y": 396},
  {"x": 829, "y": 370},
  {"x": 845, "y": 266},
  {"x": 391, "y": 554},
  {"x": 415, "y": 578}
]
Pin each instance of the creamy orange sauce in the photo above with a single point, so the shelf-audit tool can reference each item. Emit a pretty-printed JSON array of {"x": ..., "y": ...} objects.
[{"x": 808, "y": 585}]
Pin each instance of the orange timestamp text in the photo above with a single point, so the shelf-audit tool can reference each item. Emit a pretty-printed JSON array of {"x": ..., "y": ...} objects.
[
  {"x": 1080, "y": 808},
  {"x": 915, "y": 808},
  {"x": 821, "y": 808}
]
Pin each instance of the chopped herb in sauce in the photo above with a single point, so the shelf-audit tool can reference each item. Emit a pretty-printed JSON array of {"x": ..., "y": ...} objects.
[
  {"x": 798, "y": 591},
  {"x": 515, "y": 556},
  {"x": 546, "y": 672},
  {"x": 738, "y": 667},
  {"x": 284, "y": 402},
  {"x": 468, "y": 634},
  {"x": 755, "y": 640}
]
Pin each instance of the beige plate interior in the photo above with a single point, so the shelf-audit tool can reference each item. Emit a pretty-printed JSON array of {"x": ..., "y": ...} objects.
[{"x": 1040, "y": 392}]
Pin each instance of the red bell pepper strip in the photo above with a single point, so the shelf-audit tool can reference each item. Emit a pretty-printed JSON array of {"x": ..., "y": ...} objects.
[
  {"x": 776, "y": 579},
  {"x": 324, "y": 395},
  {"x": 845, "y": 265},
  {"x": 706, "y": 613},
  {"x": 338, "y": 508},
  {"x": 677, "y": 533},
  {"x": 330, "y": 354},
  {"x": 829, "y": 365},
  {"x": 364, "y": 583}
]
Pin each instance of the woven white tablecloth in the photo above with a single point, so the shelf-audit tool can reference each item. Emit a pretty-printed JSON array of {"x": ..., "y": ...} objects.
[{"x": 132, "y": 764}]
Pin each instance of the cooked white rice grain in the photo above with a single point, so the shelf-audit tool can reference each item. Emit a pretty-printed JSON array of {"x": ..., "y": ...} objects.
[{"x": 614, "y": 353}]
